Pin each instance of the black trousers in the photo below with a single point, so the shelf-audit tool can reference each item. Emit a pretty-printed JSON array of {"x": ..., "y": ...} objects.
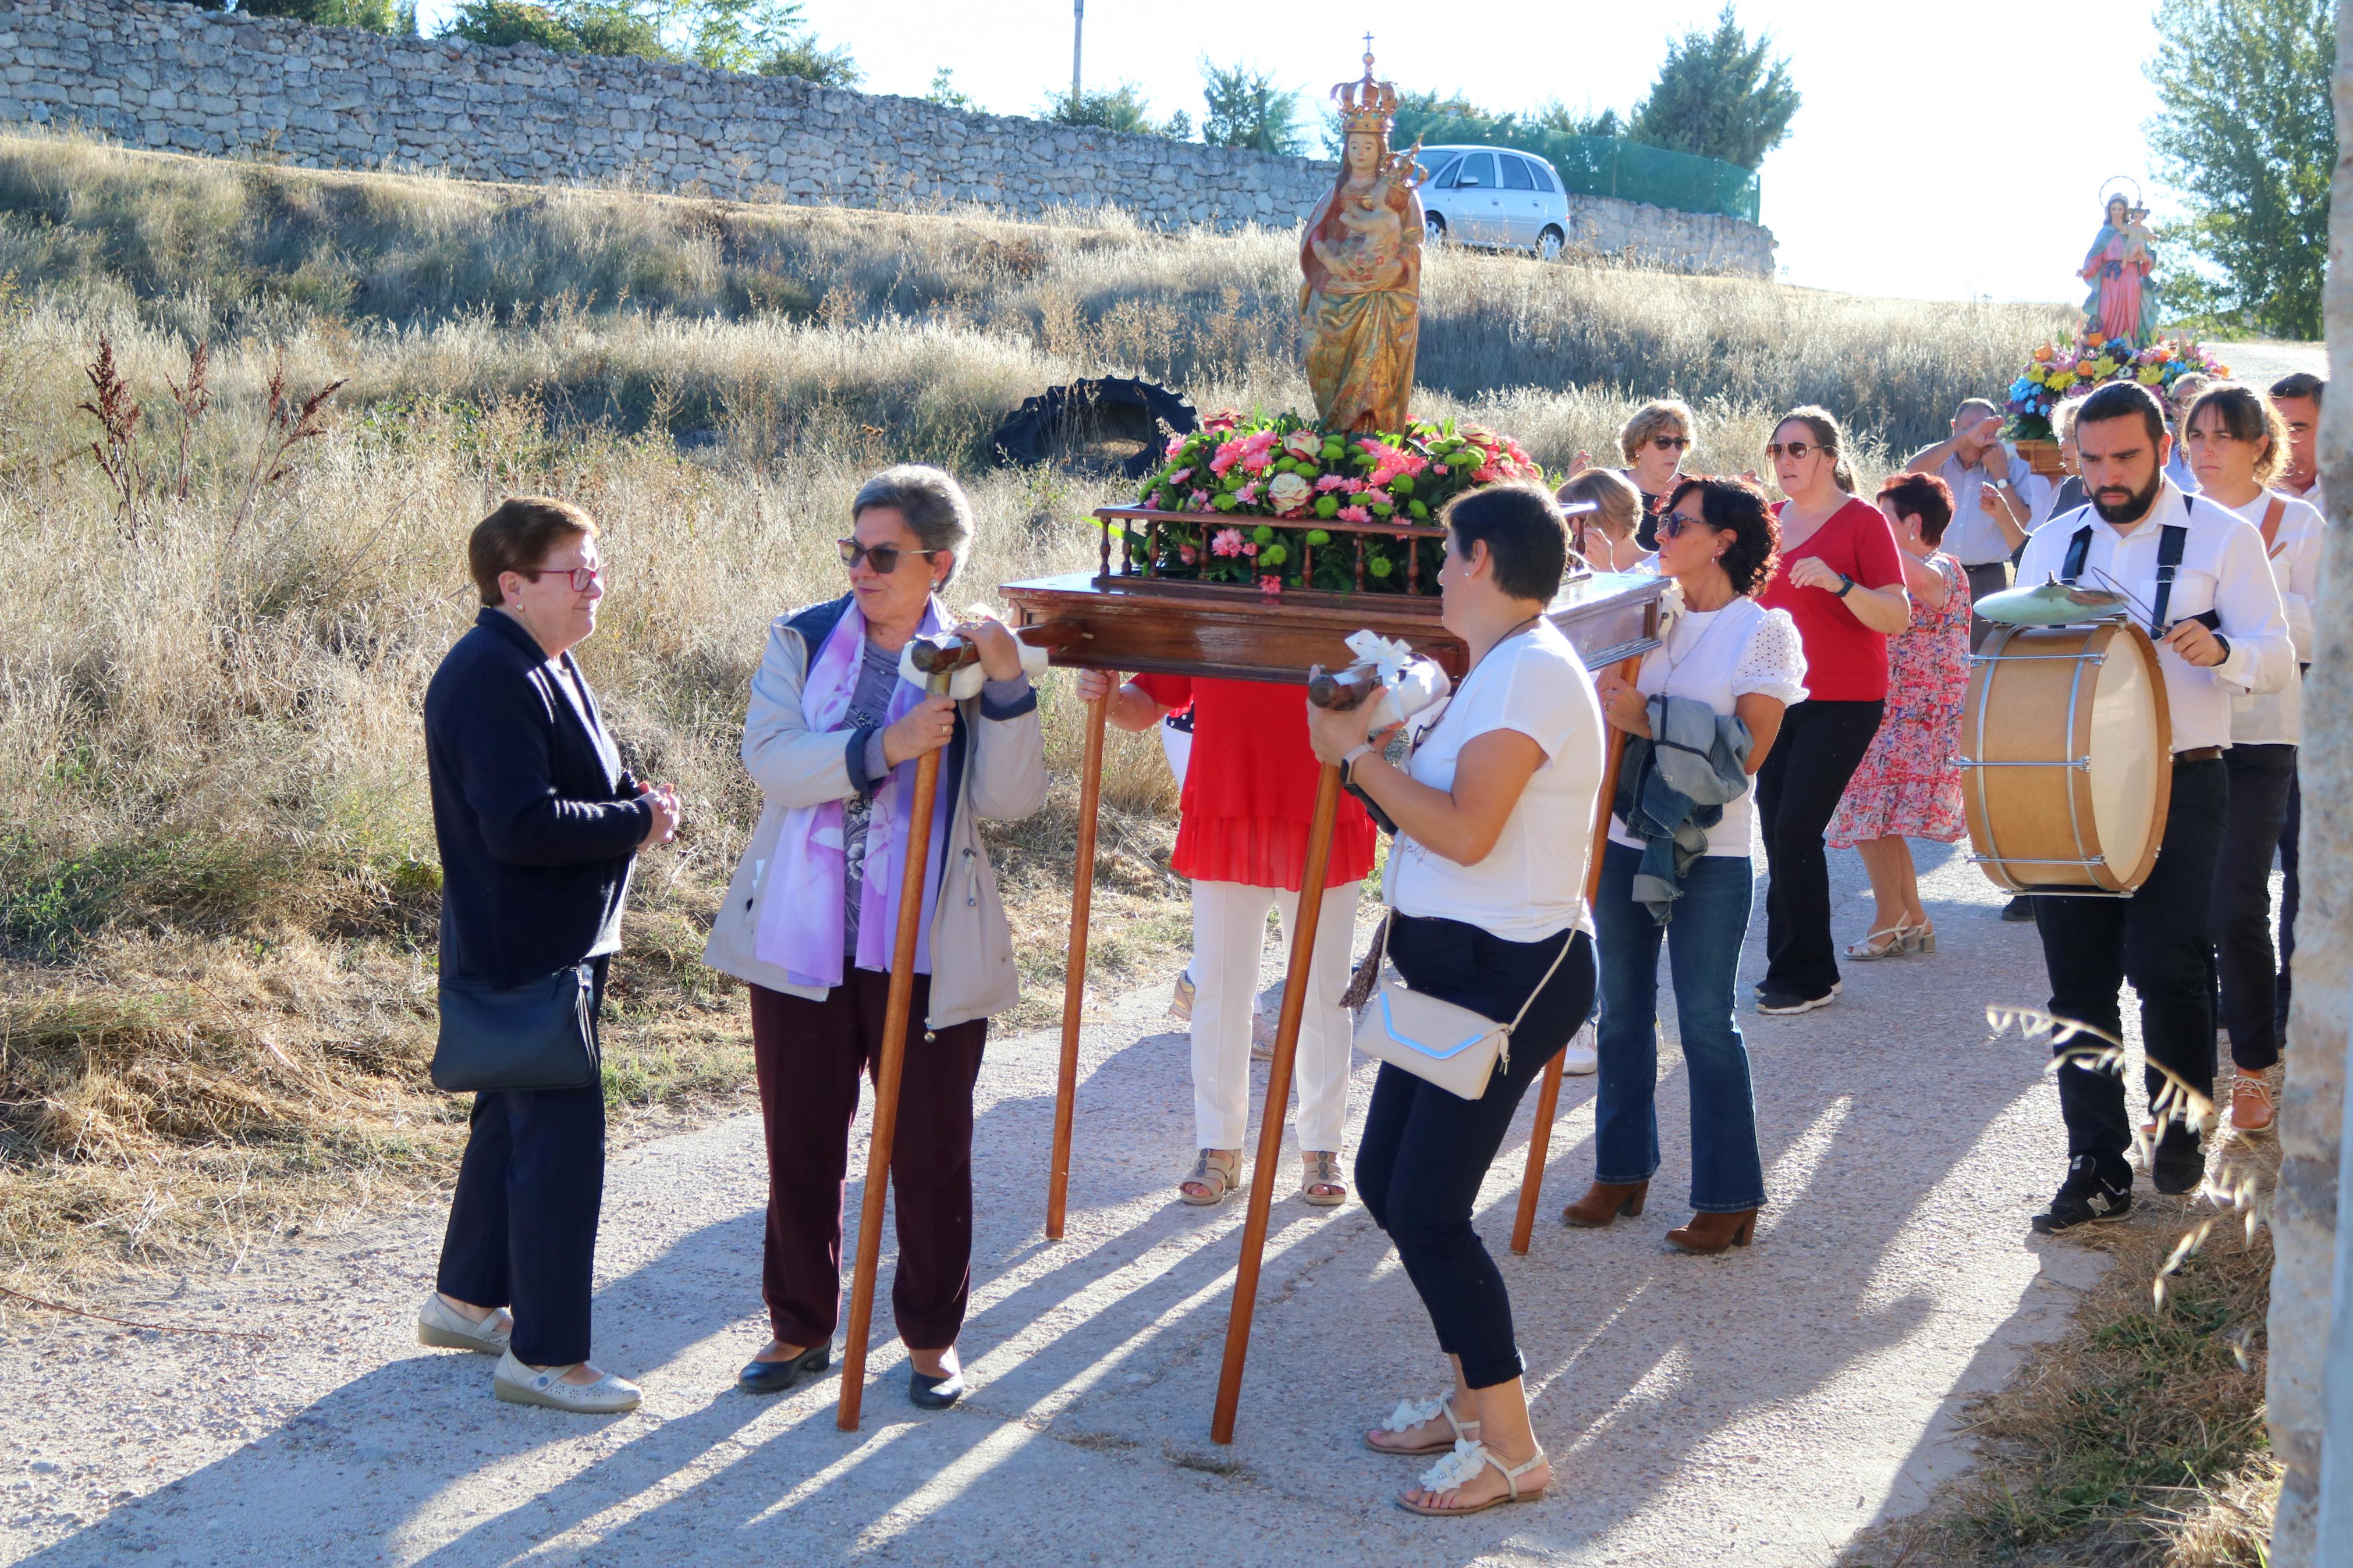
[
  {"x": 2291, "y": 900},
  {"x": 1990, "y": 578},
  {"x": 2158, "y": 938},
  {"x": 2261, "y": 778},
  {"x": 1424, "y": 1151},
  {"x": 1798, "y": 790},
  {"x": 522, "y": 1223}
]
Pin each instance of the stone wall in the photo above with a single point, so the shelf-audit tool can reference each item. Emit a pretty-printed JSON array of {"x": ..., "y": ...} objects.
[
  {"x": 2304, "y": 1215},
  {"x": 178, "y": 78}
]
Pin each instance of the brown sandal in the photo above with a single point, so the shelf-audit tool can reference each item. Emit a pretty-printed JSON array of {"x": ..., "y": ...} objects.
[{"x": 1216, "y": 1170}]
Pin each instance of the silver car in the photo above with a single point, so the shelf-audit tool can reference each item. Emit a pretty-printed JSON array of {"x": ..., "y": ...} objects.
[{"x": 1494, "y": 197}]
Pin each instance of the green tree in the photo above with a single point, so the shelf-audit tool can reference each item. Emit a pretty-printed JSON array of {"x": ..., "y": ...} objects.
[
  {"x": 566, "y": 29},
  {"x": 944, "y": 93},
  {"x": 1558, "y": 117},
  {"x": 2248, "y": 136},
  {"x": 375, "y": 15},
  {"x": 1246, "y": 108},
  {"x": 1122, "y": 107},
  {"x": 1719, "y": 96},
  {"x": 811, "y": 61}
]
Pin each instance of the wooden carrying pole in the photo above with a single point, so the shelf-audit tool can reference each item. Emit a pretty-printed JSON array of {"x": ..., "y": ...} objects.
[
  {"x": 1074, "y": 975},
  {"x": 1277, "y": 1099},
  {"x": 895, "y": 1022},
  {"x": 1549, "y": 1097}
]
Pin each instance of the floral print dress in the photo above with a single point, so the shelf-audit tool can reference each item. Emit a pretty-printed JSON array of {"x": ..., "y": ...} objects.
[{"x": 1908, "y": 784}]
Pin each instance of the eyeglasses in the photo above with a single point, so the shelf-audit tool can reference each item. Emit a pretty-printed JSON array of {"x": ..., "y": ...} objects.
[
  {"x": 1671, "y": 526},
  {"x": 580, "y": 577},
  {"x": 1792, "y": 450},
  {"x": 1671, "y": 443},
  {"x": 884, "y": 557}
]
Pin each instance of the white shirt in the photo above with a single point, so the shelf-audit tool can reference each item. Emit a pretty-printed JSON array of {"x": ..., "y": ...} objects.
[
  {"x": 2276, "y": 718},
  {"x": 1718, "y": 657},
  {"x": 2222, "y": 569},
  {"x": 1531, "y": 884},
  {"x": 1973, "y": 538}
]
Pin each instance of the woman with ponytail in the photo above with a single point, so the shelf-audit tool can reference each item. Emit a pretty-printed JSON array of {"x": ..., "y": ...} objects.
[{"x": 1840, "y": 578}]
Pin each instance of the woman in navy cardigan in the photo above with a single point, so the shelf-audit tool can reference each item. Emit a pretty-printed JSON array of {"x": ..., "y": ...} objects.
[{"x": 538, "y": 826}]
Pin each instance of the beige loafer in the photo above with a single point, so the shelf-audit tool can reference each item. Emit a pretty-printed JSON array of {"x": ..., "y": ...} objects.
[
  {"x": 517, "y": 1384},
  {"x": 443, "y": 1327}
]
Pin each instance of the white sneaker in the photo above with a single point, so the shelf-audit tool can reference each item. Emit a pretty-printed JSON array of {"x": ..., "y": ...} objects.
[
  {"x": 443, "y": 1327},
  {"x": 517, "y": 1384},
  {"x": 1578, "y": 1057}
]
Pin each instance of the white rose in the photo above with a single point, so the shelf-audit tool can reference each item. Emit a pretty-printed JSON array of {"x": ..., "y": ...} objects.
[{"x": 1289, "y": 492}]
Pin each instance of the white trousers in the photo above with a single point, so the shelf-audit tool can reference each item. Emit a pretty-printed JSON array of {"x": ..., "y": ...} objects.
[{"x": 1229, "y": 930}]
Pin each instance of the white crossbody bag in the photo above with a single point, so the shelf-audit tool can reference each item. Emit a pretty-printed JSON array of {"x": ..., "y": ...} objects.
[{"x": 1449, "y": 1044}]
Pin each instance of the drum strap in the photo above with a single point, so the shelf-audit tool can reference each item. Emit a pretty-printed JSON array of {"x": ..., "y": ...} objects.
[{"x": 2173, "y": 540}]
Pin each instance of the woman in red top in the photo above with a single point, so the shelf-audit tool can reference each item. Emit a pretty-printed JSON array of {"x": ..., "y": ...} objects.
[
  {"x": 1250, "y": 790},
  {"x": 1842, "y": 580}
]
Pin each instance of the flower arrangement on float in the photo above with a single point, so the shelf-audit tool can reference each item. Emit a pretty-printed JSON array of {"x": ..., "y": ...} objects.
[
  {"x": 1273, "y": 500},
  {"x": 2055, "y": 375}
]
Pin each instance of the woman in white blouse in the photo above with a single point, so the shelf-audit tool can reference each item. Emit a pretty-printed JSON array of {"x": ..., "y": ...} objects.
[
  {"x": 1723, "y": 650},
  {"x": 2237, "y": 444}
]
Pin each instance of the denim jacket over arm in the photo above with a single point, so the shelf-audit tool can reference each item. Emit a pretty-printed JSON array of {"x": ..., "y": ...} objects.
[{"x": 1671, "y": 788}]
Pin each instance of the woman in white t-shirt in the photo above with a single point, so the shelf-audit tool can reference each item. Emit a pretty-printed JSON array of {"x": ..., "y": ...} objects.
[
  {"x": 1485, "y": 886},
  {"x": 2237, "y": 444},
  {"x": 1724, "y": 649}
]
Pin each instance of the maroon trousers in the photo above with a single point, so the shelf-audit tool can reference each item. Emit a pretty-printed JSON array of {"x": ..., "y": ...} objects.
[{"x": 810, "y": 1055}]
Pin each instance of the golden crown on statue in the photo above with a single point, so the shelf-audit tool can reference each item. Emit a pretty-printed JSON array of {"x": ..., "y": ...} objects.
[{"x": 1366, "y": 104}]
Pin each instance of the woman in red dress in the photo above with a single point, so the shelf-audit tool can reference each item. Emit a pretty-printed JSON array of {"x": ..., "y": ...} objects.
[
  {"x": 1842, "y": 579},
  {"x": 1241, "y": 839}
]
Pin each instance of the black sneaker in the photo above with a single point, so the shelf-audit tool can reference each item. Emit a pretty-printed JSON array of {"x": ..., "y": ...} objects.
[
  {"x": 2019, "y": 909},
  {"x": 2088, "y": 1196},
  {"x": 1782, "y": 1002},
  {"x": 2179, "y": 1164}
]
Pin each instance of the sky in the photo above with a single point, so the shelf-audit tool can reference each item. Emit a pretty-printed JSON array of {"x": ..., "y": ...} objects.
[{"x": 1938, "y": 152}]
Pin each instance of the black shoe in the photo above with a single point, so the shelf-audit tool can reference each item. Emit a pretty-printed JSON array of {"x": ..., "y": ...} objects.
[
  {"x": 776, "y": 1376},
  {"x": 1786, "y": 1002},
  {"x": 2179, "y": 1163},
  {"x": 934, "y": 1392},
  {"x": 2088, "y": 1196},
  {"x": 2019, "y": 909}
]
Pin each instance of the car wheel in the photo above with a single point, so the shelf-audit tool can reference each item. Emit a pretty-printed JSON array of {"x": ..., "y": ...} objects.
[
  {"x": 1549, "y": 242},
  {"x": 1433, "y": 227},
  {"x": 1107, "y": 425}
]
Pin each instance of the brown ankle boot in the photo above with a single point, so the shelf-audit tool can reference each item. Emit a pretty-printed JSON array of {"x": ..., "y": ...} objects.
[
  {"x": 1605, "y": 1201},
  {"x": 1713, "y": 1233}
]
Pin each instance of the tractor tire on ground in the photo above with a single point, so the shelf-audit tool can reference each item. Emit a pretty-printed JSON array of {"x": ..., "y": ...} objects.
[{"x": 1104, "y": 424}]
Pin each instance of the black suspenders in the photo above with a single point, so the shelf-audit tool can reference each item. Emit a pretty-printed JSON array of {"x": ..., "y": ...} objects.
[{"x": 2171, "y": 541}]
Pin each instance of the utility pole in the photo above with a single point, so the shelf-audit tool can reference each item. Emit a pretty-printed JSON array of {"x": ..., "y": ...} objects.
[{"x": 1077, "y": 35}]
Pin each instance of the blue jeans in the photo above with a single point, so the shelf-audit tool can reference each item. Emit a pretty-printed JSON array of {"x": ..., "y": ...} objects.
[{"x": 1704, "y": 954}]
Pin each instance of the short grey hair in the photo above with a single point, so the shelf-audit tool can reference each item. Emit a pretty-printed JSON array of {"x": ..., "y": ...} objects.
[
  {"x": 2063, "y": 419},
  {"x": 1984, "y": 409},
  {"x": 1652, "y": 418},
  {"x": 935, "y": 506}
]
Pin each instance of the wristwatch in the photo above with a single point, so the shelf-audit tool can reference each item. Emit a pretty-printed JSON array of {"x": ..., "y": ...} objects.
[
  {"x": 2224, "y": 644},
  {"x": 1846, "y": 585},
  {"x": 1348, "y": 762}
]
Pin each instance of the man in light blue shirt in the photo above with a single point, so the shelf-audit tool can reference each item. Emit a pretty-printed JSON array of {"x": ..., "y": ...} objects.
[{"x": 1992, "y": 512}]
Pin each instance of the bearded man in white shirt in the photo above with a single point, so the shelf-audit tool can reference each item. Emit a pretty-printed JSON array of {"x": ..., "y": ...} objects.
[{"x": 2222, "y": 631}]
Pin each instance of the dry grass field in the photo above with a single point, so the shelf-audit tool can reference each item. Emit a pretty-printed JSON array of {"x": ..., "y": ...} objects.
[{"x": 218, "y": 887}]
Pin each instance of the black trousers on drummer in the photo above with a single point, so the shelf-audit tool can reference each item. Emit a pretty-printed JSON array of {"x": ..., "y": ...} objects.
[
  {"x": 522, "y": 1223},
  {"x": 2260, "y": 777},
  {"x": 1798, "y": 789},
  {"x": 2158, "y": 938},
  {"x": 1424, "y": 1151},
  {"x": 1991, "y": 577}
]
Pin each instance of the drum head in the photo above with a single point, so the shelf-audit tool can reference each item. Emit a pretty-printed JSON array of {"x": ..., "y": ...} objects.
[{"x": 2131, "y": 762}]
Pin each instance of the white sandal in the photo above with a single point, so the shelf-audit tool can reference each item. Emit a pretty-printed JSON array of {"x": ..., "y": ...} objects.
[
  {"x": 1322, "y": 1170},
  {"x": 1412, "y": 1413},
  {"x": 443, "y": 1327},
  {"x": 1462, "y": 1465},
  {"x": 1896, "y": 945},
  {"x": 1215, "y": 1169}
]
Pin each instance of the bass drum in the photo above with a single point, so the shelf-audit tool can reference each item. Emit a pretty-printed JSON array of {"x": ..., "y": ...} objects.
[{"x": 2066, "y": 758}]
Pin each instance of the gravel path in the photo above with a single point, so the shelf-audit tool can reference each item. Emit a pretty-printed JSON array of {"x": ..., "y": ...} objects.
[{"x": 1761, "y": 1407}]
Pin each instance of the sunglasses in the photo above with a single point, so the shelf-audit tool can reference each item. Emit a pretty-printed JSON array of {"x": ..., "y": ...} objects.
[
  {"x": 1671, "y": 526},
  {"x": 884, "y": 557},
  {"x": 1792, "y": 450},
  {"x": 580, "y": 577},
  {"x": 1671, "y": 443}
]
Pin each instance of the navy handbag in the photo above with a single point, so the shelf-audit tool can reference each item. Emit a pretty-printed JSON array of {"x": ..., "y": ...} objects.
[{"x": 542, "y": 1035}]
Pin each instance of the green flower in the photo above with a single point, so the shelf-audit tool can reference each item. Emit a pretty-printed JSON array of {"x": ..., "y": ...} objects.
[
  {"x": 1223, "y": 500},
  {"x": 1379, "y": 566},
  {"x": 1418, "y": 509},
  {"x": 1318, "y": 537},
  {"x": 1262, "y": 535},
  {"x": 1272, "y": 554},
  {"x": 1327, "y": 505},
  {"x": 1402, "y": 485},
  {"x": 1383, "y": 509}
]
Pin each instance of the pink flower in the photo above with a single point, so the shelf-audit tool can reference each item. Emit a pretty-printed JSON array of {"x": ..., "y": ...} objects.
[
  {"x": 1487, "y": 474},
  {"x": 1248, "y": 494},
  {"x": 1175, "y": 444},
  {"x": 1438, "y": 468},
  {"x": 1227, "y": 542},
  {"x": 1250, "y": 549},
  {"x": 1335, "y": 483},
  {"x": 1185, "y": 553},
  {"x": 1271, "y": 585},
  {"x": 1201, "y": 499},
  {"x": 1180, "y": 476},
  {"x": 1355, "y": 514},
  {"x": 1256, "y": 463}
]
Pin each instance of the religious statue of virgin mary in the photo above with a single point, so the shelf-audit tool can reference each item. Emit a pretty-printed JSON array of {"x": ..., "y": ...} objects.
[
  {"x": 1360, "y": 303},
  {"x": 2121, "y": 305}
]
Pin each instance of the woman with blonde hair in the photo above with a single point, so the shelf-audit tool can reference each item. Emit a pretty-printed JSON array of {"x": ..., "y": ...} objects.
[
  {"x": 1604, "y": 537},
  {"x": 1653, "y": 443}
]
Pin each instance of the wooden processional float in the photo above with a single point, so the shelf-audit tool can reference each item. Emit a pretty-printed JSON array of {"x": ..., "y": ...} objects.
[
  {"x": 2066, "y": 744},
  {"x": 1128, "y": 620}
]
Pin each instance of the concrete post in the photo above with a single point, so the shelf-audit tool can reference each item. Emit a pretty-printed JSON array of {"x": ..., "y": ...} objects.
[
  {"x": 2312, "y": 1114},
  {"x": 2334, "y": 1534}
]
